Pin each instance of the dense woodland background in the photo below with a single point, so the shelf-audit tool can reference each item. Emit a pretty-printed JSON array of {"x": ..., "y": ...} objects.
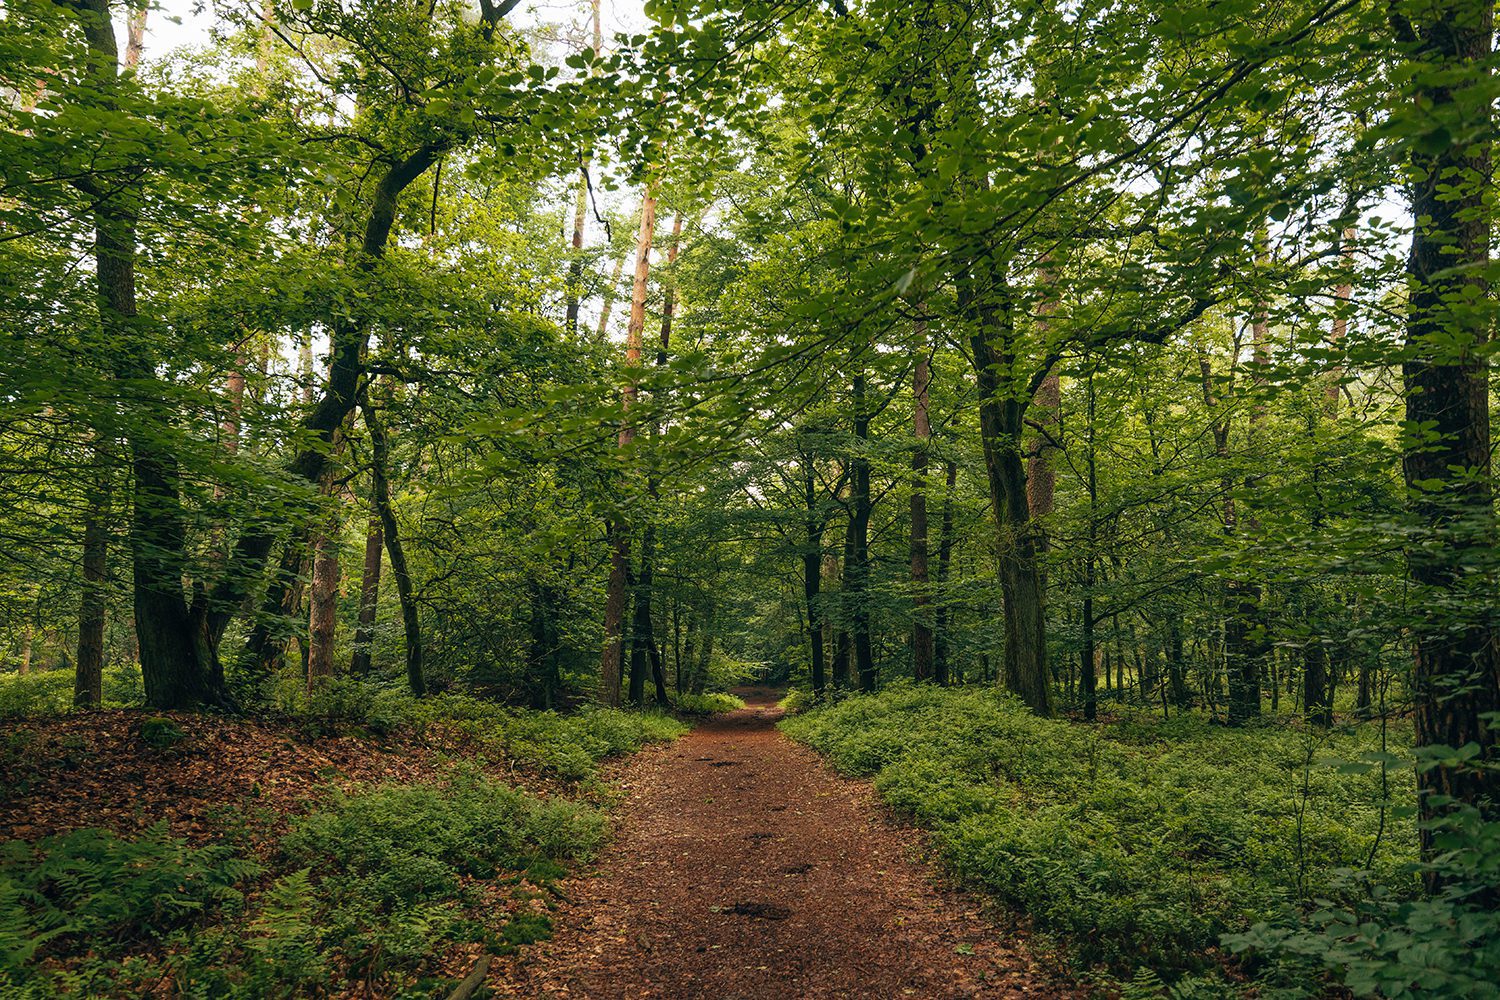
[{"x": 1130, "y": 358}]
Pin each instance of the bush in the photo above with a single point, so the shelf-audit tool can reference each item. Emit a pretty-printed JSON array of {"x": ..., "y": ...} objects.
[
  {"x": 1142, "y": 842},
  {"x": 1394, "y": 945},
  {"x": 568, "y": 745},
  {"x": 50, "y": 692},
  {"x": 708, "y": 704},
  {"x": 392, "y": 865}
]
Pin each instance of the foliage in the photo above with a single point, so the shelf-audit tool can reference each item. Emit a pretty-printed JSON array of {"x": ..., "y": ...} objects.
[
  {"x": 392, "y": 868},
  {"x": 570, "y": 744},
  {"x": 708, "y": 704},
  {"x": 1140, "y": 842},
  {"x": 50, "y": 692},
  {"x": 374, "y": 884},
  {"x": 93, "y": 894},
  {"x": 1388, "y": 944}
]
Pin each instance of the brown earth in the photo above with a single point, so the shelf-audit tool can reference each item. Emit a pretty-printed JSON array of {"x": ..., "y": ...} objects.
[{"x": 744, "y": 869}]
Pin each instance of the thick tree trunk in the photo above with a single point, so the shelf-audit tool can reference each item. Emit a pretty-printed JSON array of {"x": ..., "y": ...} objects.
[
  {"x": 642, "y": 630},
  {"x": 369, "y": 597},
  {"x": 411, "y": 621},
  {"x": 1456, "y": 678},
  {"x": 1000, "y": 423}
]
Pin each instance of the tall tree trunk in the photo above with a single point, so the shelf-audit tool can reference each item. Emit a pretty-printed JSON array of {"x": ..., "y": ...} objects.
[
  {"x": 642, "y": 632},
  {"x": 921, "y": 629},
  {"x": 609, "y": 297},
  {"x": 369, "y": 597},
  {"x": 1241, "y": 662},
  {"x": 178, "y": 667},
  {"x": 411, "y": 621},
  {"x": 941, "y": 670},
  {"x": 323, "y": 593},
  {"x": 88, "y": 679},
  {"x": 575, "y": 266},
  {"x": 1456, "y": 677},
  {"x": 614, "y": 603},
  {"x": 843, "y": 644},
  {"x": 812, "y": 577},
  {"x": 857, "y": 565},
  {"x": 1000, "y": 422},
  {"x": 1088, "y": 662},
  {"x": 135, "y": 36}
]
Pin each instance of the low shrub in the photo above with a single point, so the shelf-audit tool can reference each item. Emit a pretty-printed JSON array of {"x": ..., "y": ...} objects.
[
  {"x": 1141, "y": 843},
  {"x": 50, "y": 692},
  {"x": 1393, "y": 944},
  {"x": 569, "y": 745},
  {"x": 93, "y": 895},
  {"x": 708, "y": 704},
  {"x": 372, "y": 886},
  {"x": 392, "y": 867}
]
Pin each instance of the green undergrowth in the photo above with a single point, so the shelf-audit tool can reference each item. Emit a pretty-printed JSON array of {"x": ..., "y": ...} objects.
[
  {"x": 372, "y": 886},
  {"x": 50, "y": 692},
  {"x": 711, "y": 703},
  {"x": 1138, "y": 844},
  {"x": 569, "y": 745}
]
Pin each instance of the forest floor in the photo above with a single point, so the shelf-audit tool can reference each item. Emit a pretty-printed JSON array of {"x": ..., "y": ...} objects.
[{"x": 742, "y": 868}]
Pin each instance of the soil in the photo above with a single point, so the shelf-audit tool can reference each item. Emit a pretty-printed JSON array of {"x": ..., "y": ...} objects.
[{"x": 742, "y": 868}]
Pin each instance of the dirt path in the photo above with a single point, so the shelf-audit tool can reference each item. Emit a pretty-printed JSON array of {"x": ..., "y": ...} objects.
[{"x": 743, "y": 869}]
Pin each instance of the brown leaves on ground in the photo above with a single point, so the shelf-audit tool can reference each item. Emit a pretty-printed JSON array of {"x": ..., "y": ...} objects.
[{"x": 93, "y": 769}]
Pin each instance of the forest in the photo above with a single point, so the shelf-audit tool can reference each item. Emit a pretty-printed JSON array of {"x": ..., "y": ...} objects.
[{"x": 778, "y": 498}]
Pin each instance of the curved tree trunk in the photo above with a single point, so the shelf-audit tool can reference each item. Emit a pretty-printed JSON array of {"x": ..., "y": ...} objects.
[{"x": 410, "y": 619}]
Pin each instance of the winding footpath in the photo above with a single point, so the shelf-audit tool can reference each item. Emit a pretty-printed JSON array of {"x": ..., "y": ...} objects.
[{"x": 743, "y": 869}]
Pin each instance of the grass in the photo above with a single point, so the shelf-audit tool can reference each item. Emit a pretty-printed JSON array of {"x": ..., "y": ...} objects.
[{"x": 1140, "y": 843}]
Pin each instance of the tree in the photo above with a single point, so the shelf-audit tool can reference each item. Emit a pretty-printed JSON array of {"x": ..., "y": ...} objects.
[{"x": 1446, "y": 441}]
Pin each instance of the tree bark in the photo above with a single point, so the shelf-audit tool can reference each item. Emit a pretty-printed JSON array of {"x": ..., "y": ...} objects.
[
  {"x": 88, "y": 680},
  {"x": 1456, "y": 677},
  {"x": 615, "y": 595},
  {"x": 323, "y": 593},
  {"x": 921, "y": 629},
  {"x": 857, "y": 563},
  {"x": 941, "y": 670},
  {"x": 369, "y": 597},
  {"x": 812, "y": 577},
  {"x": 1241, "y": 608},
  {"x": 411, "y": 621},
  {"x": 1000, "y": 422}
]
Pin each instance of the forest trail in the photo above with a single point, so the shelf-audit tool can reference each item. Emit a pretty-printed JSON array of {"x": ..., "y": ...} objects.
[{"x": 742, "y": 869}]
